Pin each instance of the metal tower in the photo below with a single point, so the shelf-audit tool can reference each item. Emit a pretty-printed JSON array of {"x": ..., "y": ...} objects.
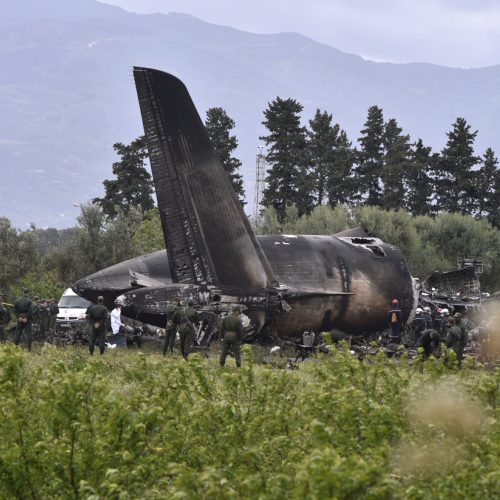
[{"x": 260, "y": 181}]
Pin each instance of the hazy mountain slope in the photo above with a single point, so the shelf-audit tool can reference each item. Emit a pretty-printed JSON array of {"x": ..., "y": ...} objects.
[{"x": 67, "y": 94}]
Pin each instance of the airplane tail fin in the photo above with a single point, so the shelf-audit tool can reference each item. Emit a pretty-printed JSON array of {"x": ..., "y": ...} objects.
[{"x": 206, "y": 231}]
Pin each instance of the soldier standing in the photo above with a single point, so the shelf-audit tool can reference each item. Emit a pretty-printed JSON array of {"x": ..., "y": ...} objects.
[
  {"x": 36, "y": 314},
  {"x": 23, "y": 307},
  {"x": 454, "y": 339},
  {"x": 188, "y": 320},
  {"x": 44, "y": 317},
  {"x": 4, "y": 316},
  {"x": 231, "y": 333},
  {"x": 171, "y": 327},
  {"x": 53, "y": 312},
  {"x": 97, "y": 314},
  {"x": 463, "y": 329}
]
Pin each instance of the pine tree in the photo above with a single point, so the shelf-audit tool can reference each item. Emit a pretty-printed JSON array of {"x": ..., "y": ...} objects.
[
  {"x": 370, "y": 157},
  {"x": 133, "y": 185},
  {"x": 288, "y": 181},
  {"x": 219, "y": 126},
  {"x": 455, "y": 187},
  {"x": 341, "y": 186},
  {"x": 322, "y": 141},
  {"x": 330, "y": 158},
  {"x": 395, "y": 165},
  {"x": 488, "y": 185},
  {"x": 419, "y": 186}
]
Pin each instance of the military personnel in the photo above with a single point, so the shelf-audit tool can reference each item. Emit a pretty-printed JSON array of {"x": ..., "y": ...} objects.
[
  {"x": 97, "y": 315},
  {"x": 231, "y": 333},
  {"x": 428, "y": 340},
  {"x": 53, "y": 312},
  {"x": 188, "y": 321},
  {"x": 44, "y": 317},
  {"x": 455, "y": 339},
  {"x": 171, "y": 327},
  {"x": 463, "y": 329},
  {"x": 36, "y": 314},
  {"x": 4, "y": 317},
  {"x": 23, "y": 308}
]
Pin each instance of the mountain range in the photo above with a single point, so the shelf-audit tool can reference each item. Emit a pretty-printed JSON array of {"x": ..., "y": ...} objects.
[{"x": 67, "y": 94}]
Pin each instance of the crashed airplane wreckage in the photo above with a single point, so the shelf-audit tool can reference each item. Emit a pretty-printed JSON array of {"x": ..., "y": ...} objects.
[{"x": 286, "y": 284}]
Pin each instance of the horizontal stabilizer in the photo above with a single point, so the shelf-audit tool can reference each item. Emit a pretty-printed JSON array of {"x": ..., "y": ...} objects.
[
  {"x": 138, "y": 279},
  {"x": 207, "y": 234}
]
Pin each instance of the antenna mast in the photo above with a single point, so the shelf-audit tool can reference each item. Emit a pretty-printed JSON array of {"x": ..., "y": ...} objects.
[{"x": 260, "y": 181}]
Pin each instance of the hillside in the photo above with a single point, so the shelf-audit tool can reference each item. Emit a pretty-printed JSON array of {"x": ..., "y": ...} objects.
[{"x": 67, "y": 94}]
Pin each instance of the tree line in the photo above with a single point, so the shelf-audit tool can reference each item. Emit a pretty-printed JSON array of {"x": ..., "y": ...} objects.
[{"x": 318, "y": 165}]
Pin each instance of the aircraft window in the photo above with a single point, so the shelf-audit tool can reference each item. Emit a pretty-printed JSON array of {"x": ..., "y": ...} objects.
[
  {"x": 376, "y": 250},
  {"x": 216, "y": 298}
]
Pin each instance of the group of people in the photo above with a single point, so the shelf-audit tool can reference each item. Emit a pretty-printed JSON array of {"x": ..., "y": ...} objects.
[
  {"x": 29, "y": 312},
  {"x": 430, "y": 328},
  {"x": 185, "y": 320}
]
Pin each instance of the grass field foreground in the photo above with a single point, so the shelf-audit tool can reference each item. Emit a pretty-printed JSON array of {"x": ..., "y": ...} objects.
[{"x": 130, "y": 425}]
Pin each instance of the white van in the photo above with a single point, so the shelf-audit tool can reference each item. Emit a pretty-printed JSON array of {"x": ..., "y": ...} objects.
[{"x": 72, "y": 309}]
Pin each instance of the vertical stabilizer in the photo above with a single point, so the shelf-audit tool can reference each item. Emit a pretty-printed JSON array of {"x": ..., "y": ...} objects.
[{"x": 207, "y": 234}]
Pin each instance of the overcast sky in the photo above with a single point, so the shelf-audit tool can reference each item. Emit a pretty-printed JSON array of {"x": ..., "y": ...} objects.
[{"x": 460, "y": 33}]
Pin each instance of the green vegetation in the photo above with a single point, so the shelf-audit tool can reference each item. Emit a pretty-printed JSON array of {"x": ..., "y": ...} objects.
[
  {"x": 428, "y": 243},
  {"x": 129, "y": 425}
]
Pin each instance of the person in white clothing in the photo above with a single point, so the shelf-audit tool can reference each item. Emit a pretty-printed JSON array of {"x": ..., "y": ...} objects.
[{"x": 116, "y": 319}]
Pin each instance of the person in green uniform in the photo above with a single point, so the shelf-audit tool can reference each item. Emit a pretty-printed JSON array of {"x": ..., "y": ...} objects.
[
  {"x": 231, "y": 333},
  {"x": 4, "y": 317},
  {"x": 428, "y": 340},
  {"x": 53, "y": 312},
  {"x": 188, "y": 321},
  {"x": 463, "y": 329},
  {"x": 171, "y": 327},
  {"x": 454, "y": 339},
  {"x": 23, "y": 308},
  {"x": 97, "y": 315},
  {"x": 43, "y": 310},
  {"x": 35, "y": 315}
]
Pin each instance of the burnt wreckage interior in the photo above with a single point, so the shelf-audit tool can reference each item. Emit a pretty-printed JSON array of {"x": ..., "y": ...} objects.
[{"x": 287, "y": 284}]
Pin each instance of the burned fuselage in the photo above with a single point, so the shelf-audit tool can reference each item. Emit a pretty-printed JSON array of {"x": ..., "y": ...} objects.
[
  {"x": 286, "y": 283},
  {"x": 326, "y": 282}
]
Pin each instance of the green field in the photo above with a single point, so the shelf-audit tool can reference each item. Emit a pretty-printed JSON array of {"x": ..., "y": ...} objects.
[{"x": 129, "y": 425}]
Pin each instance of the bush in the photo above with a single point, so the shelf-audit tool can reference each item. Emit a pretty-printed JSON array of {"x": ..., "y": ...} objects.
[{"x": 127, "y": 425}]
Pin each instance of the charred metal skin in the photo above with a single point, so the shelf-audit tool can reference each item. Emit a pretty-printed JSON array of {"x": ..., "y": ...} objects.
[
  {"x": 287, "y": 283},
  {"x": 150, "y": 269}
]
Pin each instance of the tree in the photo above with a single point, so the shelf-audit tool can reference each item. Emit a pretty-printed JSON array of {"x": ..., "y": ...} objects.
[
  {"x": 330, "y": 158},
  {"x": 288, "y": 180},
  {"x": 219, "y": 126},
  {"x": 487, "y": 184},
  {"x": 370, "y": 157},
  {"x": 133, "y": 185},
  {"x": 322, "y": 141},
  {"x": 455, "y": 187},
  {"x": 341, "y": 186},
  {"x": 395, "y": 165},
  {"x": 418, "y": 183}
]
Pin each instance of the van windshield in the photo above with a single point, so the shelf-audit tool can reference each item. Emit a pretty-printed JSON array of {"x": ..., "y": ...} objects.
[{"x": 74, "y": 302}]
